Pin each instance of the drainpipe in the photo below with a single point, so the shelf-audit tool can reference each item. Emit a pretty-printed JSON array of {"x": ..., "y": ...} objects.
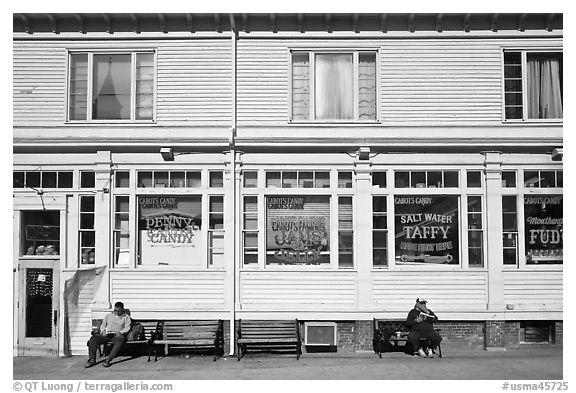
[{"x": 235, "y": 190}]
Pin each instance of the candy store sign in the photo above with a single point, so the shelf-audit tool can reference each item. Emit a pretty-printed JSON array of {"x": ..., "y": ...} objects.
[
  {"x": 170, "y": 228},
  {"x": 300, "y": 239}
]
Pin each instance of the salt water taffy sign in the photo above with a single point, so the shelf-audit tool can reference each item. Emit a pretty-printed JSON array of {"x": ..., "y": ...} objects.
[{"x": 426, "y": 229}]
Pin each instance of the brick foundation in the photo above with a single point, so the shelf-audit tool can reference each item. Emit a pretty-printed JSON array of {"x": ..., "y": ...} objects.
[
  {"x": 495, "y": 334},
  {"x": 346, "y": 336},
  {"x": 512, "y": 334}
]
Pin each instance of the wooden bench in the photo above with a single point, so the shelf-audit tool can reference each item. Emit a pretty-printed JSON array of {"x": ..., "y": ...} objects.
[
  {"x": 271, "y": 336},
  {"x": 391, "y": 336},
  {"x": 190, "y": 334},
  {"x": 150, "y": 327}
]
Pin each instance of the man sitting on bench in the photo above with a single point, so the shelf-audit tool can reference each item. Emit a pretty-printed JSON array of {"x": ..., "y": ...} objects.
[
  {"x": 420, "y": 322},
  {"x": 114, "y": 328}
]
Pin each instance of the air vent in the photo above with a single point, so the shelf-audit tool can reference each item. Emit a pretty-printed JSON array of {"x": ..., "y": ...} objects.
[{"x": 320, "y": 333}]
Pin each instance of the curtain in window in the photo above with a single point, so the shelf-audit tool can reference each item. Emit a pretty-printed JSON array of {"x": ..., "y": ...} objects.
[
  {"x": 544, "y": 87},
  {"x": 111, "y": 89},
  {"x": 300, "y": 86},
  {"x": 334, "y": 86},
  {"x": 367, "y": 86}
]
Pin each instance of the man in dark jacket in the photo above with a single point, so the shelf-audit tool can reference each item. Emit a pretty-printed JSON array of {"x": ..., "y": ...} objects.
[{"x": 420, "y": 321}]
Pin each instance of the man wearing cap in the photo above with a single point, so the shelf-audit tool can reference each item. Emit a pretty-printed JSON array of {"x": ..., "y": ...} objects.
[{"x": 420, "y": 322}]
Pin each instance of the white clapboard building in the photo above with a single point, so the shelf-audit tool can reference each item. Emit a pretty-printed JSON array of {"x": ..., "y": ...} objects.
[{"x": 325, "y": 167}]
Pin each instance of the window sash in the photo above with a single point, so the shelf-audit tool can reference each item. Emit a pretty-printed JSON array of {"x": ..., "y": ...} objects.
[
  {"x": 138, "y": 92},
  {"x": 307, "y": 79}
]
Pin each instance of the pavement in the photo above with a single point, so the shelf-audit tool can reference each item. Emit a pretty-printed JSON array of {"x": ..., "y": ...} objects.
[{"x": 512, "y": 364}]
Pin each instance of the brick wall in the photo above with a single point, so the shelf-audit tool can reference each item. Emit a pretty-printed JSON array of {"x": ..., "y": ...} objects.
[
  {"x": 495, "y": 334},
  {"x": 512, "y": 334},
  {"x": 363, "y": 334},
  {"x": 346, "y": 336},
  {"x": 462, "y": 334},
  {"x": 226, "y": 327}
]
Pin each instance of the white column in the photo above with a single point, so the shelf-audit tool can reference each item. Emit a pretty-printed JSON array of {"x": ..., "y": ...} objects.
[
  {"x": 102, "y": 225},
  {"x": 363, "y": 233},
  {"x": 494, "y": 258}
]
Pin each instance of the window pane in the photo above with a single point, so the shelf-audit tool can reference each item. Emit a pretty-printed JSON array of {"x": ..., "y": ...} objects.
[
  {"x": 87, "y": 204},
  {"x": 509, "y": 256},
  {"x": 250, "y": 179},
  {"x": 450, "y": 179},
  {"x": 379, "y": 179},
  {"x": 49, "y": 179},
  {"x": 193, "y": 179},
  {"x": 251, "y": 240},
  {"x": 547, "y": 179},
  {"x": 544, "y": 90},
  {"x": 177, "y": 179},
  {"x": 476, "y": 256},
  {"x": 87, "y": 221},
  {"x": 344, "y": 179},
  {"x": 380, "y": 239},
  {"x": 401, "y": 179},
  {"x": 122, "y": 204},
  {"x": 345, "y": 212},
  {"x": 32, "y": 179},
  {"x": 435, "y": 179},
  {"x": 367, "y": 86},
  {"x": 322, "y": 180},
  {"x": 18, "y": 180},
  {"x": 474, "y": 204},
  {"x": 160, "y": 179},
  {"x": 216, "y": 221},
  {"x": 474, "y": 178},
  {"x": 216, "y": 179},
  {"x": 65, "y": 179},
  {"x": 144, "y": 86},
  {"x": 559, "y": 179},
  {"x": 509, "y": 179},
  {"x": 144, "y": 179},
  {"x": 87, "y": 180},
  {"x": 334, "y": 86},
  {"x": 509, "y": 222},
  {"x": 273, "y": 179},
  {"x": 111, "y": 87},
  {"x": 40, "y": 229},
  {"x": 306, "y": 179},
  {"x": 379, "y": 222},
  {"x": 216, "y": 204},
  {"x": 300, "y": 86},
  {"x": 379, "y": 204},
  {"x": 78, "y": 86},
  {"x": 531, "y": 179},
  {"x": 380, "y": 257},
  {"x": 289, "y": 179},
  {"x": 543, "y": 229},
  {"x": 509, "y": 204},
  {"x": 87, "y": 239},
  {"x": 418, "y": 179}
]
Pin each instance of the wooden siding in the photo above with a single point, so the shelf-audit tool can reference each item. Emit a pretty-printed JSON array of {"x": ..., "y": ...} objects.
[
  {"x": 163, "y": 291},
  {"x": 39, "y": 83},
  {"x": 533, "y": 290},
  {"x": 78, "y": 298},
  {"x": 285, "y": 290},
  {"x": 446, "y": 291},
  {"x": 422, "y": 81},
  {"x": 194, "y": 81}
]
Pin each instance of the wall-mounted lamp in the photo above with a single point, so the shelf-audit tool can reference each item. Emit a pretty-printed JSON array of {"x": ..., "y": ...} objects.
[
  {"x": 167, "y": 153},
  {"x": 363, "y": 153},
  {"x": 557, "y": 154}
]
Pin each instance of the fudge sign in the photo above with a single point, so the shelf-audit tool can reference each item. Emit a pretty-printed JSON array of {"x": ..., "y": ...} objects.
[
  {"x": 426, "y": 229},
  {"x": 544, "y": 227}
]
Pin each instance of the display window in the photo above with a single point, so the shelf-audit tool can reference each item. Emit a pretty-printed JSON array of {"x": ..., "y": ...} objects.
[
  {"x": 543, "y": 229},
  {"x": 426, "y": 229},
  {"x": 169, "y": 230},
  {"x": 298, "y": 230},
  {"x": 41, "y": 233}
]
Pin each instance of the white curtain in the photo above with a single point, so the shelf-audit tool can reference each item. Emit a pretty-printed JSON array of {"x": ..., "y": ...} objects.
[
  {"x": 334, "y": 86},
  {"x": 544, "y": 88}
]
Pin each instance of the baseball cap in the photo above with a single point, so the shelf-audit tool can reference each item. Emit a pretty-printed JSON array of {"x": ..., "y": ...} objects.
[{"x": 421, "y": 300}]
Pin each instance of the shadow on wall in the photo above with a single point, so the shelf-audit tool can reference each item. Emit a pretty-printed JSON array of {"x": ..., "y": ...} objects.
[{"x": 82, "y": 283}]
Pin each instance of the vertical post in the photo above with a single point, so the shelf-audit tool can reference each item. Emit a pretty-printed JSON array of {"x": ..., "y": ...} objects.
[
  {"x": 494, "y": 260},
  {"x": 102, "y": 213},
  {"x": 363, "y": 233}
]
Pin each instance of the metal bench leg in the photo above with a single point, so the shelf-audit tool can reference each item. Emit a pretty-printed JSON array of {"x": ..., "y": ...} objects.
[{"x": 240, "y": 353}]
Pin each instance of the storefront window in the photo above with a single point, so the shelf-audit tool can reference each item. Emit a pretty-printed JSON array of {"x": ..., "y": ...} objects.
[
  {"x": 41, "y": 233},
  {"x": 543, "y": 229},
  {"x": 87, "y": 233},
  {"x": 216, "y": 231},
  {"x": 345, "y": 233},
  {"x": 169, "y": 230},
  {"x": 379, "y": 232},
  {"x": 297, "y": 230},
  {"x": 250, "y": 231},
  {"x": 510, "y": 230},
  {"x": 475, "y": 232},
  {"x": 426, "y": 229},
  {"x": 122, "y": 231}
]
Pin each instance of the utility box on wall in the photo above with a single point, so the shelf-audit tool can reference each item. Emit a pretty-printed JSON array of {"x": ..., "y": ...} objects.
[{"x": 320, "y": 333}]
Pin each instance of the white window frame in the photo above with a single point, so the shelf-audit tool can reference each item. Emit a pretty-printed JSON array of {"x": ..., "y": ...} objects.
[
  {"x": 523, "y": 52},
  {"x": 312, "y": 64},
  {"x": 90, "y": 81}
]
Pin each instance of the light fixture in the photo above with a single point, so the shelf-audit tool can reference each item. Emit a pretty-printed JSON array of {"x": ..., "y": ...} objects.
[
  {"x": 363, "y": 153},
  {"x": 557, "y": 154},
  {"x": 167, "y": 153}
]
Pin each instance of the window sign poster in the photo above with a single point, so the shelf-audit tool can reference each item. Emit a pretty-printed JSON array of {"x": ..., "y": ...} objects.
[
  {"x": 297, "y": 230},
  {"x": 426, "y": 229},
  {"x": 169, "y": 230},
  {"x": 544, "y": 229}
]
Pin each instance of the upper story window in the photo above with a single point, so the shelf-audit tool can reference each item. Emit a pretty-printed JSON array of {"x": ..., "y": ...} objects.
[
  {"x": 334, "y": 86},
  {"x": 532, "y": 85},
  {"x": 111, "y": 86}
]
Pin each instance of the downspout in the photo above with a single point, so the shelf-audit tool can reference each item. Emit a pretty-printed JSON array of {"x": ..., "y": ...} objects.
[{"x": 235, "y": 191}]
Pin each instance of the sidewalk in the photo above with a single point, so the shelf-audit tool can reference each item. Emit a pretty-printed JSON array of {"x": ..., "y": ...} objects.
[{"x": 525, "y": 363}]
